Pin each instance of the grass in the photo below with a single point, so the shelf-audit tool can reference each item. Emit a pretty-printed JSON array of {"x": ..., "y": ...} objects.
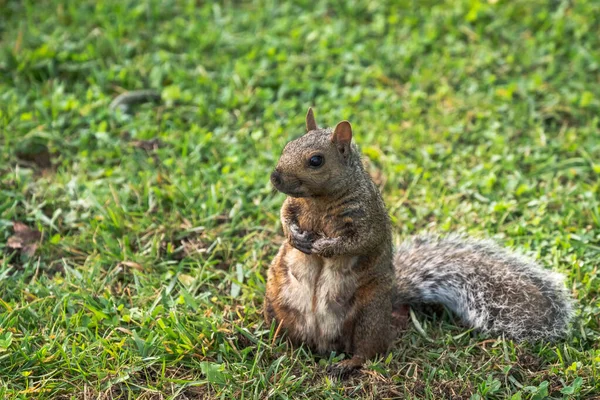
[{"x": 134, "y": 247}]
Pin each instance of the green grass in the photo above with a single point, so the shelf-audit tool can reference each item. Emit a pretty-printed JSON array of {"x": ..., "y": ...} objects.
[{"x": 477, "y": 116}]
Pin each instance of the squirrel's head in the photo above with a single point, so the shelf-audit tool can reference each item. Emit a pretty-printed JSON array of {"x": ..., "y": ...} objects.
[{"x": 319, "y": 163}]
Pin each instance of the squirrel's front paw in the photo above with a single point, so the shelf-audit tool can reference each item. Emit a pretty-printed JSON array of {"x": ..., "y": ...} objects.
[
  {"x": 323, "y": 247},
  {"x": 302, "y": 240}
]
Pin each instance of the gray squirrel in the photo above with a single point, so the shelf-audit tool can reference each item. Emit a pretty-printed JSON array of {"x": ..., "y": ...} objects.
[{"x": 337, "y": 285}]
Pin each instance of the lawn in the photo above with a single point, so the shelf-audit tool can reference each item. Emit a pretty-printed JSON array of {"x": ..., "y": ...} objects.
[{"x": 134, "y": 244}]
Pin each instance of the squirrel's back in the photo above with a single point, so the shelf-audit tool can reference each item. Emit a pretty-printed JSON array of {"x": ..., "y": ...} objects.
[{"x": 490, "y": 288}]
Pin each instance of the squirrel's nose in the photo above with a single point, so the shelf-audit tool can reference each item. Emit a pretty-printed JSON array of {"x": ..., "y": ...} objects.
[{"x": 276, "y": 178}]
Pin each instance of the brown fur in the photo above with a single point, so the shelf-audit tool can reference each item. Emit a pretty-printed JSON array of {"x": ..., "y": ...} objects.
[{"x": 335, "y": 214}]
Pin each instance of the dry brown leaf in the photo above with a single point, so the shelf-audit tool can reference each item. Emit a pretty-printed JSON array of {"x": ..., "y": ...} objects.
[
  {"x": 133, "y": 265},
  {"x": 124, "y": 330},
  {"x": 25, "y": 239},
  {"x": 187, "y": 280}
]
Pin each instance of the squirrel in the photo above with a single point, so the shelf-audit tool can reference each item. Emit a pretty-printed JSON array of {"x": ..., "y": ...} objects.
[{"x": 337, "y": 285}]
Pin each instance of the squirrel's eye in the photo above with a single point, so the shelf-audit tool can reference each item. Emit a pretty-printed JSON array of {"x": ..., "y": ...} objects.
[{"x": 315, "y": 161}]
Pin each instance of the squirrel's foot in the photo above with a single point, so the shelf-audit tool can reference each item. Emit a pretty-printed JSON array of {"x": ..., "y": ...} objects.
[
  {"x": 345, "y": 368},
  {"x": 302, "y": 240}
]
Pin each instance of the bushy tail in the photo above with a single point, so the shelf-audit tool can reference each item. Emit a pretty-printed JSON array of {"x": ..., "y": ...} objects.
[{"x": 490, "y": 288}]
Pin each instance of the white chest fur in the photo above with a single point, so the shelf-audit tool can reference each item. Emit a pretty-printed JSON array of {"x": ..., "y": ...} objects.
[{"x": 319, "y": 289}]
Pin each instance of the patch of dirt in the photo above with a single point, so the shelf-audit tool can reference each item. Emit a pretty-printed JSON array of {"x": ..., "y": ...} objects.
[
  {"x": 196, "y": 393},
  {"x": 222, "y": 219},
  {"x": 37, "y": 156},
  {"x": 148, "y": 145},
  {"x": 529, "y": 361}
]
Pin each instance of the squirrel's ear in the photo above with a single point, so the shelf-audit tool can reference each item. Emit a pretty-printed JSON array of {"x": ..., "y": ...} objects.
[
  {"x": 311, "y": 124},
  {"x": 342, "y": 137}
]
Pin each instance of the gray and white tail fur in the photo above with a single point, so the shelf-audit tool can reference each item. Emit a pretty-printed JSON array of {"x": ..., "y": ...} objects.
[{"x": 488, "y": 287}]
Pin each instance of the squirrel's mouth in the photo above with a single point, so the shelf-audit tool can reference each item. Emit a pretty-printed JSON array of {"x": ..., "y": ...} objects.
[
  {"x": 295, "y": 191},
  {"x": 291, "y": 187},
  {"x": 297, "y": 194}
]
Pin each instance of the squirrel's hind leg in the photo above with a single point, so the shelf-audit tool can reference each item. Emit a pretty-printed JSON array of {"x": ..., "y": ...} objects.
[{"x": 371, "y": 332}]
